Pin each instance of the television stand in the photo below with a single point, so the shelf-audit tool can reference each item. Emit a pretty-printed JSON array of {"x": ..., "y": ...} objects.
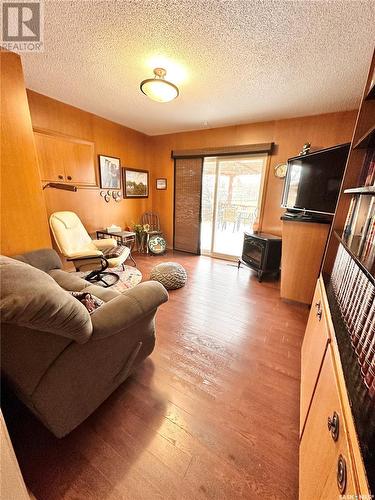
[
  {"x": 307, "y": 217},
  {"x": 303, "y": 249}
]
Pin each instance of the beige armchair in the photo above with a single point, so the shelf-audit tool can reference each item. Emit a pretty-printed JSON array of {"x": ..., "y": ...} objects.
[
  {"x": 61, "y": 361},
  {"x": 93, "y": 256}
]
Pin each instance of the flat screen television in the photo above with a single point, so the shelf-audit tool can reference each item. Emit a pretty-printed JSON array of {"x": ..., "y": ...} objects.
[{"x": 313, "y": 181}]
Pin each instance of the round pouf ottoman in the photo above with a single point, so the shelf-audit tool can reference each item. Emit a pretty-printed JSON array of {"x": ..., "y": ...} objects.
[{"x": 169, "y": 274}]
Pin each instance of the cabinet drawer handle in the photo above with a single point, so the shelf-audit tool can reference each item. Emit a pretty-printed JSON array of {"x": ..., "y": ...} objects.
[
  {"x": 69, "y": 177},
  {"x": 60, "y": 177},
  {"x": 341, "y": 474},
  {"x": 334, "y": 426}
]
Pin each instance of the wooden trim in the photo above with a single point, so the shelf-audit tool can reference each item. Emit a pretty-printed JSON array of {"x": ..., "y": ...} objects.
[
  {"x": 265, "y": 147},
  {"x": 174, "y": 202},
  {"x": 263, "y": 190},
  {"x": 366, "y": 139},
  {"x": 53, "y": 133}
]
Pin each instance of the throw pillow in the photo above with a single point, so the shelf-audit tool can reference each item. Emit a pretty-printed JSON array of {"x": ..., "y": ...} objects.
[{"x": 91, "y": 302}]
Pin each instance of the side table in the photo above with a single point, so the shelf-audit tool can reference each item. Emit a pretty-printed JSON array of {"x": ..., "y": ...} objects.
[{"x": 126, "y": 238}]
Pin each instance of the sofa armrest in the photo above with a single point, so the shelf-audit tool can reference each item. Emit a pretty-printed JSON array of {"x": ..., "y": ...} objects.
[
  {"x": 45, "y": 259},
  {"x": 128, "y": 308}
]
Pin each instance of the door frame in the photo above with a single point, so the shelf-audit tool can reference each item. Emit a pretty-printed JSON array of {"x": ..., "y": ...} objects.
[{"x": 262, "y": 192}]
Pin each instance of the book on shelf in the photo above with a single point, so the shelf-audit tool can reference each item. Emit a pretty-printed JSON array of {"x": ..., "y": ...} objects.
[
  {"x": 367, "y": 175},
  {"x": 368, "y": 368},
  {"x": 368, "y": 231},
  {"x": 350, "y": 217},
  {"x": 355, "y": 296},
  {"x": 359, "y": 230}
]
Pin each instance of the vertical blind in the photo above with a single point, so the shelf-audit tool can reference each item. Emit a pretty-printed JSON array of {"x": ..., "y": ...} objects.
[{"x": 187, "y": 204}]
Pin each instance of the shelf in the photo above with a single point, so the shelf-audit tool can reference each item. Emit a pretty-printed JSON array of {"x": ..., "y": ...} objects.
[
  {"x": 368, "y": 139},
  {"x": 357, "y": 261},
  {"x": 361, "y": 190},
  {"x": 371, "y": 93}
]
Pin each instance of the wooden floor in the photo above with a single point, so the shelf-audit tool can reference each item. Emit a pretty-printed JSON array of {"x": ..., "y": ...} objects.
[{"x": 213, "y": 413}]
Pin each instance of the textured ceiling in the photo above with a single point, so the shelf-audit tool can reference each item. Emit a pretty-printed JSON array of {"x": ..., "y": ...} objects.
[{"x": 234, "y": 61}]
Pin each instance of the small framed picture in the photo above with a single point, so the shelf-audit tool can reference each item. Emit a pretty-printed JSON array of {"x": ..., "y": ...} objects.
[
  {"x": 135, "y": 183},
  {"x": 110, "y": 172},
  {"x": 161, "y": 183}
]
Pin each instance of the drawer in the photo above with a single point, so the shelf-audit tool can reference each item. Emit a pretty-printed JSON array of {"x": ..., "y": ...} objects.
[
  {"x": 325, "y": 460},
  {"x": 314, "y": 346}
]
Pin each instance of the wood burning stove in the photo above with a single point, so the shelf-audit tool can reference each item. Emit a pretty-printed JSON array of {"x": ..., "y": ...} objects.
[{"x": 262, "y": 253}]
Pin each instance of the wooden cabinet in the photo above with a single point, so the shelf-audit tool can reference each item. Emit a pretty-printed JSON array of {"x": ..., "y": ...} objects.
[
  {"x": 65, "y": 159},
  {"x": 320, "y": 452},
  {"x": 302, "y": 252},
  {"x": 325, "y": 409},
  {"x": 313, "y": 349}
]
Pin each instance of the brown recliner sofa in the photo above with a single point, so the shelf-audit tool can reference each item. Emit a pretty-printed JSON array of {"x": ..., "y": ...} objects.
[{"x": 62, "y": 361}]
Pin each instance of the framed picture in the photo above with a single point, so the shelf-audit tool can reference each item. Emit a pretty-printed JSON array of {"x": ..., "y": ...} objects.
[
  {"x": 161, "y": 183},
  {"x": 135, "y": 183},
  {"x": 110, "y": 172}
]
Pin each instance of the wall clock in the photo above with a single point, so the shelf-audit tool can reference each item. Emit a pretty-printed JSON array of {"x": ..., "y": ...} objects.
[
  {"x": 157, "y": 244},
  {"x": 280, "y": 170}
]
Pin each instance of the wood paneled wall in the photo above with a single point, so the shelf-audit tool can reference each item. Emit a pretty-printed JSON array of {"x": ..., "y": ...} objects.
[
  {"x": 289, "y": 136},
  {"x": 24, "y": 206},
  {"x": 23, "y": 214},
  {"x": 110, "y": 139}
]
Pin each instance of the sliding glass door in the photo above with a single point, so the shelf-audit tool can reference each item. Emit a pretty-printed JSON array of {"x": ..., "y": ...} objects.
[{"x": 231, "y": 199}]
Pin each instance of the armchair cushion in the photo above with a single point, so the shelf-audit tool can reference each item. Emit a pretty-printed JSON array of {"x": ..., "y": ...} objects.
[
  {"x": 31, "y": 298},
  {"x": 70, "y": 235},
  {"x": 105, "y": 243},
  {"x": 84, "y": 253}
]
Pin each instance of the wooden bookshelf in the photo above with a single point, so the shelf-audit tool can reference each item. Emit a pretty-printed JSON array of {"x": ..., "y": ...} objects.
[
  {"x": 371, "y": 93},
  {"x": 352, "y": 184},
  {"x": 353, "y": 234},
  {"x": 371, "y": 90},
  {"x": 355, "y": 258},
  {"x": 366, "y": 140},
  {"x": 361, "y": 190}
]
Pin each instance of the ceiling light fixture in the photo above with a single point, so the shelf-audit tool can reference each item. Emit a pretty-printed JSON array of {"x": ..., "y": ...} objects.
[{"x": 158, "y": 89}]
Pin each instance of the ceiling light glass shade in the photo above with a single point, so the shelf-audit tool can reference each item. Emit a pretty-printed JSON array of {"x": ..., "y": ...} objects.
[{"x": 158, "y": 89}]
